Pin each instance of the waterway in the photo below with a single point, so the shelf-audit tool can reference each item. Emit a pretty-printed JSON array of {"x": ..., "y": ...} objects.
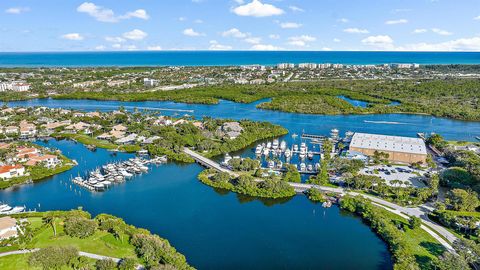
[{"x": 219, "y": 230}]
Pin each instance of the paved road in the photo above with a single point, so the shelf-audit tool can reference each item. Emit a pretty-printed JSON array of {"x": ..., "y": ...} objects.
[
  {"x": 435, "y": 230},
  {"x": 80, "y": 253}
]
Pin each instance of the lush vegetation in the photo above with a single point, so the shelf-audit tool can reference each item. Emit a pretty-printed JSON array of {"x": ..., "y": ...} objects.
[
  {"x": 246, "y": 184},
  {"x": 411, "y": 247},
  {"x": 315, "y": 195},
  {"x": 61, "y": 235},
  {"x": 453, "y": 98}
]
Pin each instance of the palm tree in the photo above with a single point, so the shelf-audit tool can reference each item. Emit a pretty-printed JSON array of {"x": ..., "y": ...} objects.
[{"x": 49, "y": 220}]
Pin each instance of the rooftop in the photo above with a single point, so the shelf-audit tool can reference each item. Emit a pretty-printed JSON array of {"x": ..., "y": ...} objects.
[{"x": 389, "y": 143}]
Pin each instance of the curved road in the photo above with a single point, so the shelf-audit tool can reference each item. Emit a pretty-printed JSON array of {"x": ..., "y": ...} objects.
[{"x": 442, "y": 235}]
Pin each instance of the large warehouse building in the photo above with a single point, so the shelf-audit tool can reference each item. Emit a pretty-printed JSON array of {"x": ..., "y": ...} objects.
[{"x": 399, "y": 149}]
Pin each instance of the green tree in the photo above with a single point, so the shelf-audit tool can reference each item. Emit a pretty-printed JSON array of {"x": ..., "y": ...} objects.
[
  {"x": 105, "y": 264},
  {"x": 80, "y": 227},
  {"x": 463, "y": 200},
  {"x": 127, "y": 264},
  {"x": 49, "y": 219},
  {"x": 53, "y": 257},
  {"x": 414, "y": 222}
]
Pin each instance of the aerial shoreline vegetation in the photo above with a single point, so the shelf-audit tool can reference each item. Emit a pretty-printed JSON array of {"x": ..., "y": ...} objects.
[
  {"x": 450, "y": 98},
  {"x": 411, "y": 247},
  {"x": 247, "y": 185},
  {"x": 60, "y": 235}
]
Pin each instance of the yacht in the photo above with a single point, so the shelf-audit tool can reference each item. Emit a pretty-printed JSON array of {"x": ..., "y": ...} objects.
[
  {"x": 283, "y": 145},
  {"x": 288, "y": 153},
  {"x": 269, "y": 145},
  {"x": 275, "y": 144},
  {"x": 258, "y": 150},
  {"x": 303, "y": 167},
  {"x": 271, "y": 164},
  {"x": 279, "y": 165},
  {"x": 310, "y": 167},
  {"x": 310, "y": 155},
  {"x": 266, "y": 151},
  {"x": 295, "y": 147}
]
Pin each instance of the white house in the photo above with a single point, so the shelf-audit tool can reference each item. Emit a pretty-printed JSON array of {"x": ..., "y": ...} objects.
[{"x": 8, "y": 228}]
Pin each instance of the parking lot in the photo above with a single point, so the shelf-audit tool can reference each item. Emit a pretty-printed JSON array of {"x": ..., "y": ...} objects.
[{"x": 394, "y": 172}]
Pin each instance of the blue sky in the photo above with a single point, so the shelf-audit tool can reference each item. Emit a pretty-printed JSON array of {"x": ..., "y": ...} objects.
[{"x": 405, "y": 25}]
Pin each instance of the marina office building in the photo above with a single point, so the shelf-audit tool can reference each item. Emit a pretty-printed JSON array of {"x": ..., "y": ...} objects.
[{"x": 399, "y": 149}]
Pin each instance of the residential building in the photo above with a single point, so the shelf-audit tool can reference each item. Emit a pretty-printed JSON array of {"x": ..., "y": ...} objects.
[{"x": 8, "y": 228}]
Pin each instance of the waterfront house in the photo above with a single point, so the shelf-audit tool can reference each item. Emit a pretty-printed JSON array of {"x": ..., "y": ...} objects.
[
  {"x": 78, "y": 126},
  {"x": 230, "y": 129},
  {"x": 130, "y": 139},
  {"x": 48, "y": 161},
  {"x": 27, "y": 130},
  {"x": 8, "y": 228},
  {"x": 10, "y": 171}
]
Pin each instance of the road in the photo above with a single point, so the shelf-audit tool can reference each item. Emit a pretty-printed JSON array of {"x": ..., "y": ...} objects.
[
  {"x": 432, "y": 228},
  {"x": 80, "y": 253}
]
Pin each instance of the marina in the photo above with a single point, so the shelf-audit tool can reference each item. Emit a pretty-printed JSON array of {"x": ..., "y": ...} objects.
[
  {"x": 6, "y": 209},
  {"x": 102, "y": 178}
]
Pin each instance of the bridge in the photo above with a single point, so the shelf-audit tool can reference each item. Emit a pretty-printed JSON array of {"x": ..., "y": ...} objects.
[
  {"x": 442, "y": 235},
  {"x": 206, "y": 162}
]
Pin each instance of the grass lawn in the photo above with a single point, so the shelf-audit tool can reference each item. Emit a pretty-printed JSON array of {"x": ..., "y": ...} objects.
[
  {"x": 87, "y": 140},
  {"x": 102, "y": 243},
  {"x": 419, "y": 243},
  {"x": 15, "y": 262}
]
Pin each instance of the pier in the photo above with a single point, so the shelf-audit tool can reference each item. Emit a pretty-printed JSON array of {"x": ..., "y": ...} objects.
[{"x": 313, "y": 136}]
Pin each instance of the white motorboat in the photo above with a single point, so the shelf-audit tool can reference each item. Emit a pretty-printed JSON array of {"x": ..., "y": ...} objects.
[
  {"x": 271, "y": 164},
  {"x": 258, "y": 150},
  {"x": 295, "y": 147},
  {"x": 283, "y": 145},
  {"x": 275, "y": 144},
  {"x": 288, "y": 153},
  {"x": 269, "y": 145},
  {"x": 303, "y": 167}
]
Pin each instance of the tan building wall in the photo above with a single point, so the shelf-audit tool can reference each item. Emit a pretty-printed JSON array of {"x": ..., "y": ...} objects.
[{"x": 395, "y": 156}]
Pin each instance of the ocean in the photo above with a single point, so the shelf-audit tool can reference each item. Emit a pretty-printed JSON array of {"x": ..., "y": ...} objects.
[{"x": 227, "y": 58}]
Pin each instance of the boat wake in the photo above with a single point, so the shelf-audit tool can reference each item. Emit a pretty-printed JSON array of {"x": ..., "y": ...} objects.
[{"x": 385, "y": 122}]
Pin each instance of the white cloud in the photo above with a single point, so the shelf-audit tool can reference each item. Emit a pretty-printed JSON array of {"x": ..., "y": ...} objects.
[
  {"x": 296, "y": 9},
  {"x": 215, "y": 46},
  {"x": 326, "y": 49},
  {"x": 135, "y": 35},
  {"x": 154, "y": 48},
  {"x": 198, "y": 21},
  {"x": 192, "y": 33},
  {"x": 400, "y": 21},
  {"x": 441, "y": 32},
  {"x": 301, "y": 41},
  {"x": 100, "y": 48},
  {"x": 462, "y": 44},
  {"x": 253, "y": 40},
  {"x": 139, "y": 13},
  {"x": 265, "y": 47},
  {"x": 477, "y": 18},
  {"x": 290, "y": 25},
  {"x": 420, "y": 31},
  {"x": 344, "y": 20},
  {"x": 182, "y": 19},
  {"x": 257, "y": 9},
  {"x": 73, "y": 36},
  {"x": 115, "y": 39},
  {"x": 336, "y": 40},
  {"x": 274, "y": 36},
  {"x": 234, "y": 32},
  {"x": 356, "y": 31},
  {"x": 107, "y": 15},
  {"x": 380, "y": 41},
  {"x": 116, "y": 46},
  {"x": 17, "y": 10}
]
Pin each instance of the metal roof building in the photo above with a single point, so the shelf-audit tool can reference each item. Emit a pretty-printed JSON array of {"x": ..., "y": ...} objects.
[{"x": 400, "y": 149}]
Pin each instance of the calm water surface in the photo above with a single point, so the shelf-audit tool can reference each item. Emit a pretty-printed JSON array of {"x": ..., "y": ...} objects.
[{"x": 219, "y": 230}]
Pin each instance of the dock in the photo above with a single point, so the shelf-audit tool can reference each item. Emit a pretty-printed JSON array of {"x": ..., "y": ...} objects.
[{"x": 313, "y": 136}]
